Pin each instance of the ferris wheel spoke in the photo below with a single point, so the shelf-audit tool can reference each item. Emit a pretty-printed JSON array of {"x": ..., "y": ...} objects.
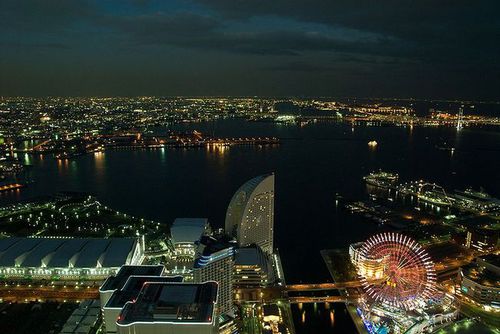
[
  {"x": 408, "y": 283},
  {"x": 408, "y": 275},
  {"x": 413, "y": 272}
]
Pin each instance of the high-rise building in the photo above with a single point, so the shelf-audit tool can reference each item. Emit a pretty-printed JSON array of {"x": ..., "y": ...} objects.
[
  {"x": 250, "y": 214},
  {"x": 252, "y": 268},
  {"x": 171, "y": 308},
  {"x": 480, "y": 282},
  {"x": 216, "y": 263}
]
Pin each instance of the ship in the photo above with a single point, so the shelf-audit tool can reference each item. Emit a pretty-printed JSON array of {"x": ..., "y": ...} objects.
[
  {"x": 434, "y": 197},
  {"x": 478, "y": 195},
  {"x": 68, "y": 156},
  {"x": 476, "y": 201},
  {"x": 382, "y": 179}
]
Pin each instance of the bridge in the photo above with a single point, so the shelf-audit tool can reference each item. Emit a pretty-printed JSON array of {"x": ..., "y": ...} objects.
[
  {"x": 312, "y": 299},
  {"x": 268, "y": 294},
  {"x": 323, "y": 286},
  {"x": 323, "y": 299},
  {"x": 242, "y": 141}
]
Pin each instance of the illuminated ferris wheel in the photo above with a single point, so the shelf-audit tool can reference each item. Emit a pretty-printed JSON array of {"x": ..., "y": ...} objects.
[{"x": 396, "y": 271}]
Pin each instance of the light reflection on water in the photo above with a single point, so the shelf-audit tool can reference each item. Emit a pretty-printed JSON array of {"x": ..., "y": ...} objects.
[{"x": 322, "y": 318}]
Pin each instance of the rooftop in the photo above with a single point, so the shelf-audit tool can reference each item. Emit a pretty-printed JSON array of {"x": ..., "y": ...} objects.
[
  {"x": 83, "y": 319},
  {"x": 250, "y": 256},
  {"x": 133, "y": 286},
  {"x": 172, "y": 303},
  {"x": 87, "y": 257},
  {"x": 213, "y": 250},
  {"x": 493, "y": 259},
  {"x": 270, "y": 309},
  {"x": 481, "y": 275},
  {"x": 118, "y": 281},
  {"x": 252, "y": 184},
  {"x": 65, "y": 252},
  {"x": 188, "y": 229}
]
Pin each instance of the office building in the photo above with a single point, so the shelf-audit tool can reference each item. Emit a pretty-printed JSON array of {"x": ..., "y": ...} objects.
[
  {"x": 480, "y": 282},
  {"x": 252, "y": 268},
  {"x": 367, "y": 266},
  {"x": 117, "y": 281},
  {"x": 250, "y": 214},
  {"x": 229, "y": 324},
  {"x": 171, "y": 308},
  {"x": 216, "y": 263},
  {"x": 124, "y": 287},
  {"x": 355, "y": 252},
  {"x": 481, "y": 239}
]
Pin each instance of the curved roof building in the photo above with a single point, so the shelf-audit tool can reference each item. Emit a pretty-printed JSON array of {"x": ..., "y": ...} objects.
[
  {"x": 188, "y": 230},
  {"x": 250, "y": 214},
  {"x": 47, "y": 257}
]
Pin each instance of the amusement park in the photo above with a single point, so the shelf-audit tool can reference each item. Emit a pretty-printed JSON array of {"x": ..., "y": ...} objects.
[{"x": 400, "y": 291}]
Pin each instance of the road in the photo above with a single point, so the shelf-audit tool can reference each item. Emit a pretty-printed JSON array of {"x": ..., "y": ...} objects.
[{"x": 47, "y": 293}]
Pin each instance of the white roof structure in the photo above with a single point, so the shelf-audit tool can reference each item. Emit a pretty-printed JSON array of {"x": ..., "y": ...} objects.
[
  {"x": 188, "y": 230},
  {"x": 66, "y": 253}
]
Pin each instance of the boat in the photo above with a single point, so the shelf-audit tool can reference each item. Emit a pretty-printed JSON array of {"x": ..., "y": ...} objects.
[
  {"x": 478, "y": 201},
  {"x": 382, "y": 179},
  {"x": 434, "y": 197},
  {"x": 67, "y": 156},
  {"x": 471, "y": 193}
]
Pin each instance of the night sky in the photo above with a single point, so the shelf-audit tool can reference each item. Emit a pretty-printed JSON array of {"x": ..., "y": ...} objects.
[{"x": 399, "y": 48}]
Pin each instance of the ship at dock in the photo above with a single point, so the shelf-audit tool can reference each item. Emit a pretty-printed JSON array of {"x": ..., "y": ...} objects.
[
  {"x": 426, "y": 192},
  {"x": 381, "y": 179},
  {"x": 435, "y": 196},
  {"x": 477, "y": 201}
]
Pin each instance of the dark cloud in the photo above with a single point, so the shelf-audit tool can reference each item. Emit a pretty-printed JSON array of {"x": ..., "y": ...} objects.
[
  {"x": 43, "y": 15},
  {"x": 58, "y": 46},
  {"x": 451, "y": 46},
  {"x": 299, "y": 66},
  {"x": 204, "y": 32},
  {"x": 441, "y": 30}
]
